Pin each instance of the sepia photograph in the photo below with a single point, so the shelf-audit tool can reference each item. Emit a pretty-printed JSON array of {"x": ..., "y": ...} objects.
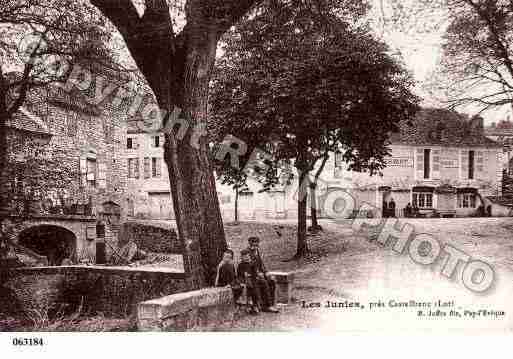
[{"x": 234, "y": 166}]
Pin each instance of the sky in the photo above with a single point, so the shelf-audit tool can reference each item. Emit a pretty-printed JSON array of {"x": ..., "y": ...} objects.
[{"x": 420, "y": 52}]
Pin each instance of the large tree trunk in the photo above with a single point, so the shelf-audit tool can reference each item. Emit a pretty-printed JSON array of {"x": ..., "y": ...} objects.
[
  {"x": 193, "y": 187},
  {"x": 302, "y": 245},
  {"x": 178, "y": 68},
  {"x": 3, "y": 159},
  {"x": 313, "y": 195}
]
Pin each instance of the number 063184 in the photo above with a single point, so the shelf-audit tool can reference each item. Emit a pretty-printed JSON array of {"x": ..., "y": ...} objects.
[{"x": 27, "y": 341}]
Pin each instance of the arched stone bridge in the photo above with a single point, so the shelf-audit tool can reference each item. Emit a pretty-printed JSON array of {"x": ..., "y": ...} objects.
[{"x": 54, "y": 236}]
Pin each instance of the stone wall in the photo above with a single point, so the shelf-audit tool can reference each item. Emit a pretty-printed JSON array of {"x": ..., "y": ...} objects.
[
  {"x": 200, "y": 310},
  {"x": 111, "y": 291},
  {"x": 150, "y": 238}
]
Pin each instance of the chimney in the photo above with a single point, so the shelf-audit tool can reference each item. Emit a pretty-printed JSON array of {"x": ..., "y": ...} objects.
[{"x": 477, "y": 123}]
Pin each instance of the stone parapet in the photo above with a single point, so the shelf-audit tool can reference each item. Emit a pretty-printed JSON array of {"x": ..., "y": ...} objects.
[
  {"x": 199, "y": 310},
  {"x": 284, "y": 286}
]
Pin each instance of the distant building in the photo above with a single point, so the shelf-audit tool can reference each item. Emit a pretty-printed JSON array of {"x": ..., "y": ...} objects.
[
  {"x": 148, "y": 181},
  {"x": 441, "y": 163},
  {"x": 502, "y": 133}
]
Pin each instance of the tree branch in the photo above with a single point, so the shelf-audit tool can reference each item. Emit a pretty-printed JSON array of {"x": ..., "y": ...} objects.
[{"x": 25, "y": 81}]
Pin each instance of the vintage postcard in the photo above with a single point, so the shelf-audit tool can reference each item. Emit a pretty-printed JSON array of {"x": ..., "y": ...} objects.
[{"x": 328, "y": 166}]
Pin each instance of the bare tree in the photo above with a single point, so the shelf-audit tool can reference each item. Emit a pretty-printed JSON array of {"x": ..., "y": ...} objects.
[{"x": 476, "y": 66}]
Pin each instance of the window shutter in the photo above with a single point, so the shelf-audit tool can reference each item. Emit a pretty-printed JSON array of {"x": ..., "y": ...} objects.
[
  {"x": 419, "y": 165},
  {"x": 159, "y": 167},
  {"x": 102, "y": 175},
  {"x": 464, "y": 164},
  {"x": 479, "y": 164},
  {"x": 147, "y": 168},
  {"x": 436, "y": 164},
  {"x": 136, "y": 168},
  {"x": 83, "y": 171}
]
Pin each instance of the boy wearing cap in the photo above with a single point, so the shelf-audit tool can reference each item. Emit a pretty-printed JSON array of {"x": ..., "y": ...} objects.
[{"x": 265, "y": 284}]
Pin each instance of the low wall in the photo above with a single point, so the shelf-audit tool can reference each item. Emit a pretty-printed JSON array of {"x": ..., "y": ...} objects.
[
  {"x": 200, "y": 310},
  {"x": 112, "y": 291},
  {"x": 284, "y": 286},
  {"x": 150, "y": 238}
]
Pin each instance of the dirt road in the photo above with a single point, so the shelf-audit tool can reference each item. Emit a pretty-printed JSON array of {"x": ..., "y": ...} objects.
[{"x": 371, "y": 288}]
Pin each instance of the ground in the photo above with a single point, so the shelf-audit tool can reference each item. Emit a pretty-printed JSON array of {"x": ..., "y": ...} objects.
[
  {"x": 350, "y": 267},
  {"x": 366, "y": 272}
]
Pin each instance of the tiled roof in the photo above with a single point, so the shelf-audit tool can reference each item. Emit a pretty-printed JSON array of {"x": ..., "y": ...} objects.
[
  {"x": 441, "y": 127},
  {"x": 494, "y": 131},
  {"x": 25, "y": 120}
]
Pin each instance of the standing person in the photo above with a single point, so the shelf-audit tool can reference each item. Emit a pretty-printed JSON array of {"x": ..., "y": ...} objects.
[
  {"x": 415, "y": 209},
  {"x": 265, "y": 283},
  {"x": 391, "y": 206},
  {"x": 408, "y": 210},
  {"x": 226, "y": 275},
  {"x": 247, "y": 275}
]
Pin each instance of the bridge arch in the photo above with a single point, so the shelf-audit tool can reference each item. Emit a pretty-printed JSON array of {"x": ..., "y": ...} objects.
[{"x": 53, "y": 241}]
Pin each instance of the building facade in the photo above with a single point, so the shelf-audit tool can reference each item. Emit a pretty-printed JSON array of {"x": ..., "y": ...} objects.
[
  {"x": 68, "y": 164},
  {"x": 441, "y": 163}
]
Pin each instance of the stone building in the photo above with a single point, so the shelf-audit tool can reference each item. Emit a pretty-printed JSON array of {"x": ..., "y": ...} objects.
[
  {"x": 68, "y": 181},
  {"x": 441, "y": 162},
  {"x": 148, "y": 182}
]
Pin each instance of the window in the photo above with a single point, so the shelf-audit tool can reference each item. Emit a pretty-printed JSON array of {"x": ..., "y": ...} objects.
[
  {"x": 466, "y": 200},
  {"x": 129, "y": 143},
  {"x": 471, "y": 164},
  {"x": 72, "y": 123},
  {"x": 133, "y": 168},
  {"x": 224, "y": 199},
  {"x": 340, "y": 171},
  {"x": 338, "y": 159},
  {"x": 427, "y": 163},
  {"x": 155, "y": 140},
  {"x": 422, "y": 200},
  {"x": 156, "y": 167},
  {"x": 91, "y": 172},
  {"x": 108, "y": 130},
  {"x": 147, "y": 168}
]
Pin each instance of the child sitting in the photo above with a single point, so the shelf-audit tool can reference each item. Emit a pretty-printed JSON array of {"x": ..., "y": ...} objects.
[
  {"x": 247, "y": 275},
  {"x": 226, "y": 274}
]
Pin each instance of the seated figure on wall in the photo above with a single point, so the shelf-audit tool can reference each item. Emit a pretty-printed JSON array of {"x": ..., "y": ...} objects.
[
  {"x": 265, "y": 283},
  {"x": 247, "y": 277},
  {"x": 226, "y": 275}
]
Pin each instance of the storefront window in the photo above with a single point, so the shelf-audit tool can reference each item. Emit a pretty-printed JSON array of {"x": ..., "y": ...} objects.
[
  {"x": 466, "y": 200},
  {"x": 422, "y": 200}
]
